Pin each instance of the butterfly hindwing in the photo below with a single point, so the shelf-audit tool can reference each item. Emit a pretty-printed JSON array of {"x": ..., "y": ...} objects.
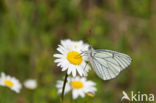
[{"x": 107, "y": 63}]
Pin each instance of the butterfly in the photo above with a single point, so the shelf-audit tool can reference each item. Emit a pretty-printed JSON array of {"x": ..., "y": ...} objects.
[{"x": 107, "y": 63}]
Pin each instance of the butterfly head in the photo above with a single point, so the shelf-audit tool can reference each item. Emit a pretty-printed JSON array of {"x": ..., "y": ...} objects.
[
  {"x": 90, "y": 51},
  {"x": 90, "y": 47}
]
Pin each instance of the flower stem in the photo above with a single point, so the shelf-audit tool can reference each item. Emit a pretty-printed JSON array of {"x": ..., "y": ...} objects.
[{"x": 64, "y": 85}]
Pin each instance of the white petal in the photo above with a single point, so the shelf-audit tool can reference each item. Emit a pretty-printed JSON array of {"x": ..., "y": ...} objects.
[
  {"x": 69, "y": 71},
  {"x": 74, "y": 73},
  {"x": 79, "y": 69},
  {"x": 75, "y": 94},
  {"x": 58, "y": 55},
  {"x": 57, "y": 60},
  {"x": 63, "y": 69},
  {"x": 82, "y": 94}
]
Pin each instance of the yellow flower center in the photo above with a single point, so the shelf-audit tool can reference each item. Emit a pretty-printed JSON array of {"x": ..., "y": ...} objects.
[
  {"x": 8, "y": 83},
  {"x": 77, "y": 84},
  {"x": 75, "y": 46},
  {"x": 74, "y": 58}
]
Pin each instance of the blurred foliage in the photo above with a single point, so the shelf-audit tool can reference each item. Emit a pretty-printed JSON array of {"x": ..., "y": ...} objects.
[{"x": 30, "y": 31}]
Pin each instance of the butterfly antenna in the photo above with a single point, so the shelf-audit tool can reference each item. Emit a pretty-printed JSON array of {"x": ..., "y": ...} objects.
[
  {"x": 82, "y": 53},
  {"x": 89, "y": 41}
]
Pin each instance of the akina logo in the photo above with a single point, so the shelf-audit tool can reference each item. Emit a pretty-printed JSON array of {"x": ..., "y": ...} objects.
[{"x": 138, "y": 96}]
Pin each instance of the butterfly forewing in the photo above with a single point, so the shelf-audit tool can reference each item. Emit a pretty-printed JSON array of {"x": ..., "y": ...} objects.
[{"x": 107, "y": 63}]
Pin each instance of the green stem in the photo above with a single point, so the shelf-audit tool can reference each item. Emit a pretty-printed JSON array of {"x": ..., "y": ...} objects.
[
  {"x": 64, "y": 85},
  {"x": 32, "y": 96}
]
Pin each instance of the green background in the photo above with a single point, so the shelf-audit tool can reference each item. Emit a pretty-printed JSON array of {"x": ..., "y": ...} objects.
[{"x": 30, "y": 31}]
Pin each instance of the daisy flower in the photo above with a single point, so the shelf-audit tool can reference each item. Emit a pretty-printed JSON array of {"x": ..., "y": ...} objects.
[
  {"x": 79, "y": 86},
  {"x": 71, "y": 59},
  {"x": 11, "y": 82},
  {"x": 59, "y": 85},
  {"x": 30, "y": 84}
]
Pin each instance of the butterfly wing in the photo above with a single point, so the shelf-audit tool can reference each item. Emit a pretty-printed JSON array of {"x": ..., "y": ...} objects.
[{"x": 108, "y": 64}]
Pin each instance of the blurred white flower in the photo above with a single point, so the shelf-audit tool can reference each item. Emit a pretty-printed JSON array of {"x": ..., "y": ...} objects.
[
  {"x": 79, "y": 86},
  {"x": 59, "y": 85},
  {"x": 30, "y": 84},
  {"x": 70, "y": 57},
  {"x": 11, "y": 82}
]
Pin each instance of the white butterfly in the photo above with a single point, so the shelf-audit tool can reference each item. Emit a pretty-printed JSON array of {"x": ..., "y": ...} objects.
[{"x": 107, "y": 63}]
